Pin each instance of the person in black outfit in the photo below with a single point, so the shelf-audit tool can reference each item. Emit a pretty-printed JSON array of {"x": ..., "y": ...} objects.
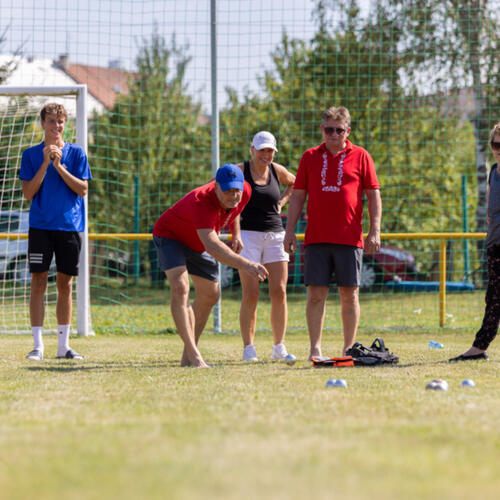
[
  {"x": 491, "y": 319},
  {"x": 262, "y": 236}
]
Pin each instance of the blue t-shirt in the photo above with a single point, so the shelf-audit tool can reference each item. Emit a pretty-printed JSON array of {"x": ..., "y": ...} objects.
[{"x": 55, "y": 206}]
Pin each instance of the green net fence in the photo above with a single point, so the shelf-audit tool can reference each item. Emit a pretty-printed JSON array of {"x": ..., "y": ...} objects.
[{"x": 420, "y": 79}]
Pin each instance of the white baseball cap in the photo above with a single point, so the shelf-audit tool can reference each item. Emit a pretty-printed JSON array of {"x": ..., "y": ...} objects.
[{"x": 263, "y": 140}]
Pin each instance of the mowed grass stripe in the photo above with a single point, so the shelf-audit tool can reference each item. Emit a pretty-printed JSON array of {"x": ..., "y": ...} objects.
[{"x": 128, "y": 422}]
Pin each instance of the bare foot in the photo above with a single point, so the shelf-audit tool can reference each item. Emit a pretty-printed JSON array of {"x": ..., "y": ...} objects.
[
  {"x": 199, "y": 363},
  {"x": 185, "y": 359},
  {"x": 315, "y": 353},
  {"x": 193, "y": 359},
  {"x": 346, "y": 348},
  {"x": 196, "y": 364}
]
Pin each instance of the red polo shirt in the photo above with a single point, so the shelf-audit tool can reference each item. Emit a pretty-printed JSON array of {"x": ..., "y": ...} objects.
[
  {"x": 335, "y": 185},
  {"x": 199, "y": 209}
]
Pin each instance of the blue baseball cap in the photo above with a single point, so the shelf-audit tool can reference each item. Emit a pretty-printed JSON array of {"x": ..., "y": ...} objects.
[{"x": 230, "y": 176}]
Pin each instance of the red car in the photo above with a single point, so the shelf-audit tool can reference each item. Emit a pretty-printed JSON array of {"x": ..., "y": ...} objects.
[{"x": 388, "y": 264}]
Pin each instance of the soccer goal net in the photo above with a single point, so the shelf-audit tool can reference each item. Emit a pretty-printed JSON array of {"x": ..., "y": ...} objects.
[{"x": 20, "y": 129}]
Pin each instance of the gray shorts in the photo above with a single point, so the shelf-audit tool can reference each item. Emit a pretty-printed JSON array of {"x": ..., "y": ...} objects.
[
  {"x": 321, "y": 260},
  {"x": 172, "y": 253}
]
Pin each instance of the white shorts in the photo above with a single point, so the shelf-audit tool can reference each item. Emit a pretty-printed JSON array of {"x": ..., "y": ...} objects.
[{"x": 263, "y": 248}]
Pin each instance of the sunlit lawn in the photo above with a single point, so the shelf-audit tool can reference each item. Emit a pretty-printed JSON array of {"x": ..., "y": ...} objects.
[
  {"x": 139, "y": 312},
  {"x": 127, "y": 422}
]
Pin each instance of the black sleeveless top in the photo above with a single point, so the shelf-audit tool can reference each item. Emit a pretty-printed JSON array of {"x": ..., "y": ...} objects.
[{"x": 261, "y": 212}]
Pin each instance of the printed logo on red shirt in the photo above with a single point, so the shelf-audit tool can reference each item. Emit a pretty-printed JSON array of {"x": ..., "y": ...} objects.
[{"x": 340, "y": 173}]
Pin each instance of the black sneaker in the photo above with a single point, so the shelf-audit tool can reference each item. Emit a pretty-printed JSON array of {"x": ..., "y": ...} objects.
[
  {"x": 35, "y": 355},
  {"x": 71, "y": 354}
]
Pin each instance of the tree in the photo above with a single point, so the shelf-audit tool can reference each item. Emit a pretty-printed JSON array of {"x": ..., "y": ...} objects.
[
  {"x": 445, "y": 46},
  {"x": 351, "y": 61},
  {"x": 18, "y": 129},
  {"x": 152, "y": 140},
  {"x": 307, "y": 77},
  {"x": 10, "y": 65},
  {"x": 148, "y": 151}
]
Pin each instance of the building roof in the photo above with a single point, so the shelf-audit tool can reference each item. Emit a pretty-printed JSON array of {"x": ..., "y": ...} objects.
[
  {"x": 104, "y": 84},
  {"x": 43, "y": 73}
]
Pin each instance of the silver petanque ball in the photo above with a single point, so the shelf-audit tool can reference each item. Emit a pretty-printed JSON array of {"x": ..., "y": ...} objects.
[
  {"x": 468, "y": 383},
  {"x": 290, "y": 359},
  {"x": 336, "y": 382},
  {"x": 437, "y": 385}
]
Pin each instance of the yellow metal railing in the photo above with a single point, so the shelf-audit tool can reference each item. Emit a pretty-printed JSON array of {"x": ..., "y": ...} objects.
[{"x": 442, "y": 237}]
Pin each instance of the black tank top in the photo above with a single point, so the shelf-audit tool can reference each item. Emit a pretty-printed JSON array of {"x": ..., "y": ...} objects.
[{"x": 261, "y": 212}]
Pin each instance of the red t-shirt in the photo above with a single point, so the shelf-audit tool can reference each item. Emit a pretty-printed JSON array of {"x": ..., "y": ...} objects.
[
  {"x": 335, "y": 185},
  {"x": 199, "y": 209}
]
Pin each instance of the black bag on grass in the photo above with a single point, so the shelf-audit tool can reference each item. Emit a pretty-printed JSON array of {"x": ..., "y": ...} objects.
[{"x": 376, "y": 354}]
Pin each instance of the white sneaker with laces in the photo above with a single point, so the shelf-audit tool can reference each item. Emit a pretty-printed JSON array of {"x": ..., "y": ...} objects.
[
  {"x": 279, "y": 351},
  {"x": 249, "y": 353}
]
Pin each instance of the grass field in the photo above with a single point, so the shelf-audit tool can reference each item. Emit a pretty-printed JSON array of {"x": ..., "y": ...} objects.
[
  {"x": 146, "y": 311},
  {"x": 143, "y": 309},
  {"x": 129, "y": 423}
]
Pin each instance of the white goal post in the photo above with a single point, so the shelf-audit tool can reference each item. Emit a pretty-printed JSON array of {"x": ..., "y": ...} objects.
[{"x": 84, "y": 327}]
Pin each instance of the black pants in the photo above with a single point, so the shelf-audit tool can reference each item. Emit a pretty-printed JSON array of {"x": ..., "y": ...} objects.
[{"x": 491, "y": 319}]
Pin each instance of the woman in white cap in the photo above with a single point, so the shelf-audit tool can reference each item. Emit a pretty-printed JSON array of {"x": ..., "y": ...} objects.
[{"x": 262, "y": 236}]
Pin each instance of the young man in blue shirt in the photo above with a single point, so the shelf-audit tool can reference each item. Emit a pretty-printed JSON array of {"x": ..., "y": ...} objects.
[{"x": 55, "y": 178}]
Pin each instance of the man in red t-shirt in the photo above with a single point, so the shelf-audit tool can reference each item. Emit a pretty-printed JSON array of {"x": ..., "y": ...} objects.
[
  {"x": 333, "y": 177},
  {"x": 187, "y": 243}
]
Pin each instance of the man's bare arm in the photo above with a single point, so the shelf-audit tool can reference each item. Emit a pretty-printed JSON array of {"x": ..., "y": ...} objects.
[
  {"x": 295, "y": 207},
  {"x": 225, "y": 255},
  {"x": 372, "y": 242}
]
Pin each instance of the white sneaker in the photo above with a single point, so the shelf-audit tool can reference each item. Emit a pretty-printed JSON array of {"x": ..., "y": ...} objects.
[
  {"x": 279, "y": 351},
  {"x": 249, "y": 353},
  {"x": 35, "y": 355}
]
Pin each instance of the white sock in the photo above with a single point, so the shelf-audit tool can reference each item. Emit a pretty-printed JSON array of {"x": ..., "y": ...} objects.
[
  {"x": 37, "y": 337},
  {"x": 63, "y": 339}
]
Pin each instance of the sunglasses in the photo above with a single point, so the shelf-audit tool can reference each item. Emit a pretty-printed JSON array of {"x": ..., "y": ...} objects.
[
  {"x": 331, "y": 130},
  {"x": 495, "y": 145}
]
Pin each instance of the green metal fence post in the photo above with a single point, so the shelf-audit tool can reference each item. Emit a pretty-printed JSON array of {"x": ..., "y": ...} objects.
[
  {"x": 465, "y": 227},
  {"x": 136, "y": 229}
]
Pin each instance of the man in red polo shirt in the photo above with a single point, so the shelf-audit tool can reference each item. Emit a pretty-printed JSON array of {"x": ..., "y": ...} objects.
[
  {"x": 187, "y": 243},
  {"x": 333, "y": 177}
]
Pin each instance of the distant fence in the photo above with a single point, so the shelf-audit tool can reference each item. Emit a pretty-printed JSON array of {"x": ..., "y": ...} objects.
[{"x": 443, "y": 238}]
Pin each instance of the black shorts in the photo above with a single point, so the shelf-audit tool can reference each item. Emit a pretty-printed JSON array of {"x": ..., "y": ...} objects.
[
  {"x": 172, "y": 253},
  {"x": 321, "y": 260},
  {"x": 44, "y": 243}
]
